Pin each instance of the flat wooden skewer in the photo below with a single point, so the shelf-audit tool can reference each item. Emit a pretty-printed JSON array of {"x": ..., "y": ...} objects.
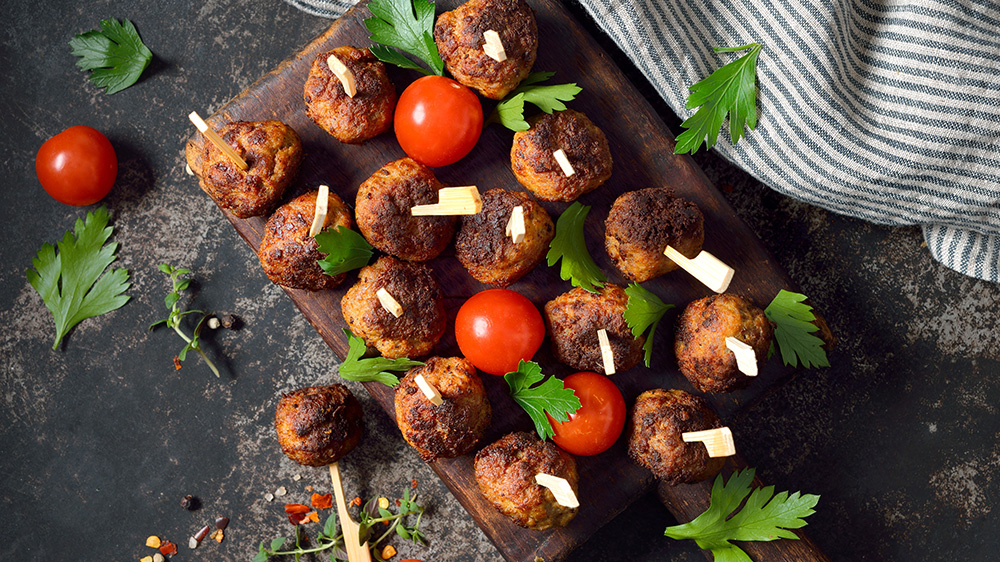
[
  {"x": 746, "y": 358},
  {"x": 344, "y": 74},
  {"x": 322, "y": 206},
  {"x": 390, "y": 304},
  {"x": 515, "y": 225},
  {"x": 607, "y": 356},
  {"x": 567, "y": 168},
  {"x": 428, "y": 389},
  {"x": 718, "y": 441},
  {"x": 217, "y": 140},
  {"x": 463, "y": 200},
  {"x": 355, "y": 551},
  {"x": 493, "y": 46},
  {"x": 560, "y": 488},
  {"x": 705, "y": 267}
]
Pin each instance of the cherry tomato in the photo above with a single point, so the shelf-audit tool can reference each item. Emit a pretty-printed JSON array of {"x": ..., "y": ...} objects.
[
  {"x": 598, "y": 423},
  {"x": 437, "y": 120},
  {"x": 497, "y": 328},
  {"x": 78, "y": 166}
]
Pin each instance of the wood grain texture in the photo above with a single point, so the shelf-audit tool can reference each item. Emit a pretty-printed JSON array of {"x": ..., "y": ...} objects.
[{"x": 642, "y": 149}]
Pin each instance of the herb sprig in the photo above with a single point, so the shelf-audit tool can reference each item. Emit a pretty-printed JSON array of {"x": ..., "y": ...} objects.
[
  {"x": 408, "y": 26},
  {"x": 794, "y": 329},
  {"x": 115, "y": 54},
  {"x": 510, "y": 111},
  {"x": 550, "y": 397},
  {"x": 644, "y": 310},
  {"x": 345, "y": 250},
  {"x": 354, "y": 368},
  {"x": 570, "y": 246},
  {"x": 176, "y": 315}
]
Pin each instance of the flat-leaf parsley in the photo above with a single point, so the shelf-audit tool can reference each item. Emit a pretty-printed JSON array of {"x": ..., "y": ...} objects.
[
  {"x": 794, "y": 329},
  {"x": 550, "y": 397},
  {"x": 115, "y": 54}
]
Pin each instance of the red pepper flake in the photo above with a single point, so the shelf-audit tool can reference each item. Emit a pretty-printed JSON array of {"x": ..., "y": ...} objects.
[
  {"x": 177, "y": 363},
  {"x": 312, "y": 516},
  {"x": 413, "y": 483},
  {"x": 356, "y": 502},
  {"x": 291, "y": 508},
  {"x": 296, "y": 518},
  {"x": 168, "y": 548},
  {"x": 309, "y": 488},
  {"x": 320, "y": 501}
]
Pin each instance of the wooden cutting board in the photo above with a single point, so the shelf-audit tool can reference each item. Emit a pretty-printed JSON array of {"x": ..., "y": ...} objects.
[{"x": 642, "y": 149}]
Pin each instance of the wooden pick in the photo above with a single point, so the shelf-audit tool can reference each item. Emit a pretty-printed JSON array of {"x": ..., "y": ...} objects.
[
  {"x": 356, "y": 552},
  {"x": 463, "y": 200},
  {"x": 429, "y": 391},
  {"x": 390, "y": 304},
  {"x": 560, "y": 488},
  {"x": 493, "y": 46},
  {"x": 344, "y": 74},
  {"x": 217, "y": 140},
  {"x": 705, "y": 267},
  {"x": 718, "y": 441},
  {"x": 746, "y": 358},
  {"x": 606, "y": 354},
  {"x": 515, "y": 225},
  {"x": 322, "y": 206},
  {"x": 567, "y": 168}
]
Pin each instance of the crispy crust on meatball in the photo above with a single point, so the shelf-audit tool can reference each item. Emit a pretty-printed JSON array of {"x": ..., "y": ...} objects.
[
  {"x": 573, "y": 319},
  {"x": 453, "y": 428},
  {"x": 382, "y": 210},
  {"x": 585, "y": 146},
  {"x": 418, "y": 329},
  {"x": 642, "y": 223},
  {"x": 484, "y": 248},
  {"x": 288, "y": 254},
  {"x": 272, "y": 151},
  {"x": 459, "y": 38},
  {"x": 505, "y": 472},
  {"x": 317, "y": 425},
  {"x": 700, "y": 343},
  {"x": 350, "y": 120},
  {"x": 659, "y": 417}
]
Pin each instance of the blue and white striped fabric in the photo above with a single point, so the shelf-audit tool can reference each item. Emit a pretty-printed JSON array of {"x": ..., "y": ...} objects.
[{"x": 883, "y": 110}]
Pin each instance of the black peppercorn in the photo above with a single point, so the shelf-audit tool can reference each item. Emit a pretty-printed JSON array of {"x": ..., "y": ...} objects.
[
  {"x": 190, "y": 502},
  {"x": 228, "y": 321}
]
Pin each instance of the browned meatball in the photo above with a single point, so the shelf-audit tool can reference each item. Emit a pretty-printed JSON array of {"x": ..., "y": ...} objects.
[
  {"x": 351, "y": 120},
  {"x": 317, "y": 425},
  {"x": 383, "y": 208},
  {"x": 271, "y": 149},
  {"x": 453, "y": 428},
  {"x": 488, "y": 253},
  {"x": 573, "y": 319},
  {"x": 459, "y": 38},
  {"x": 288, "y": 254},
  {"x": 586, "y": 148},
  {"x": 659, "y": 417},
  {"x": 643, "y": 223},
  {"x": 700, "y": 346},
  {"x": 505, "y": 472},
  {"x": 418, "y": 329}
]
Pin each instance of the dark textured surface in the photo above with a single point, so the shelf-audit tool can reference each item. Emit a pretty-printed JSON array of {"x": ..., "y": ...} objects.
[{"x": 102, "y": 438}]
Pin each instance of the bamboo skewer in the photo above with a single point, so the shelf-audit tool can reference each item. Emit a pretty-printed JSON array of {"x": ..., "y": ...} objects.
[
  {"x": 428, "y": 389},
  {"x": 515, "y": 225},
  {"x": 746, "y": 358},
  {"x": 607, "y": 356},
  {"x": 322, "y": 206},
  {"x": 356, "y": 552},
  {"x": 211, "y": 135},
  {"x": 390, "y": 304},
  {"x": 344, "y": 74},
  {"x": 567, "y": 168},
  {"x": 560, "y": 488},
  {"x": 718, "y": 441},
  {"x": 493, "y": 46},
  {"x": 463, "y": 200},
  {"x": 705, "y": 267}
]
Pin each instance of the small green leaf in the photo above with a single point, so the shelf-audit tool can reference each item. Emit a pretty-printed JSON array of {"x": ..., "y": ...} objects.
[
  {"x": 570, "y": 246},
  {"x": 355, "y": 368},
  {"x": 550, "y": 397},
  {"x": 345, "y": 250},
  {"x": 171, "y": 299},
  {"x": 165, "y": 268},
  {"x": 277, "y": 543},
  {"x": 115, "y": 54},
  {"x": 644, "y": 310},
  {"x": 408, "y": 26},
  {"x": 794, "y": 329},
  {"x": 402, "y": 532},
  {"x": 510, "y": 111}
]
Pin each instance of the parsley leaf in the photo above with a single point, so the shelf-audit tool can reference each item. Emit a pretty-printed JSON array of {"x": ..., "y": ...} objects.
[
  {"x": 354, "y": 368},
  {"x": 793, "y": 331},
  {"x": 763, "y": 518},
  {"x": 71, "y": 283},
  {"x": 550, "y": 397},
  {"x": 406, "y": 26},
  {"x": 510, "y": 111},
  {"x": 345, "y": 250},
  {"x": 570, "y": 246},
  {"x": 116, "y": 54},
  {"x": 730, "y": 90},
  {"x": 644, "y": 310}
]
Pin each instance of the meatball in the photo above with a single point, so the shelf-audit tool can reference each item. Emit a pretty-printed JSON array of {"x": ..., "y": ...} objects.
[
  {"x": 288, "y": 254},
  {"x": 572, "y": 320},
  {"x": 422, "y": 323},
  {"x": 643, "y": 223},
  {"x": 272, "y": 151},
  {"x": 383, "y": 208},
  {"x": 700, "y": 346},
  {"x": 351, "y": 120},
  {"x": 586, "y": 148},
  {"x": 505, "y": 472},
  {"x": 453, "y": 428},
  {"x": 659, "y": 417},
  {"x": 459, "y": 38},
  {"x": 483, "y": 247},
  {"x": 317, "y": 425}
]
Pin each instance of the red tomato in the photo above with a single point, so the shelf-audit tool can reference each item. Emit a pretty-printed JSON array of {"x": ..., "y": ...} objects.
[
  {"x": 598, "y": 423},
  {"x": 437, "y": 120},
  {"x": 497, "y": 328},
  {"x": 78, "y": 166}
]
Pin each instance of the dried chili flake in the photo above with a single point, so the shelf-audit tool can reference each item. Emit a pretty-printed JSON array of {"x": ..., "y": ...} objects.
[
  {"x": 322, "y": 501},
  {"x": 153, "y": 541},
  {"x": 356, "y": 501},
  {"x": 291, "y": 508},
  {"x": 296, "y": 518},
  {"x": 168, "y": 548},
  {"x": 311, "y": 516},
  {"x": 177, "y": 363},
  {"x": 388, "y": 552},
  {"x": 201, "y": 534},
  {"x": 413, "y": 483}
]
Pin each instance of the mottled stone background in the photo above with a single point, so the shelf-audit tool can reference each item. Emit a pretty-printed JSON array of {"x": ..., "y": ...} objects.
[{"x": 101, "y": 438}]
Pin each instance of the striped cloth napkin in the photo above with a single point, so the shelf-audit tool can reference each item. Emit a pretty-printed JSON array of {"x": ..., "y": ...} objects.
[{"x": 884, "y": 110}]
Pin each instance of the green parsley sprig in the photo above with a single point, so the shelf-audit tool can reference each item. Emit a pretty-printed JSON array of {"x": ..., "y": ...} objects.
[
  {"x": 354, "y": 368},
  {"x": 73, "y": 284},
  {"x": 729, "y": 91},
  {"x": 794, "y": 329},
  {"x": 408, "y": 26},
  {"x": 173, "y": 321},
  {"x": 345, "y": 250},
  {"x": 570, "y": 246},
  {"x": 550, "y": 397},
  {"x": 115, "y": 54},
  {"x": 644, "y": 310},
  {"x": 765, "y": 517},
  {"x": 510, "y": 111}
]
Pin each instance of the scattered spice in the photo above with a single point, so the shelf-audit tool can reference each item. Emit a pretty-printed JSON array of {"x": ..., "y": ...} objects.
[
  {"x": 190, "y": 502},
  {"x": 221, "y": 523},
  {"x": 356, "y": 501},
  {"x": 311, "y": 516},
  {"x": 322, "y": 501},
  {"x": 177, "y": 363},
  {"x": 157, "y": 557},
  {"x": 229, "y": 321},
  {"x": 383, "y": 503},
  {"x": 413, "y": 483},
  {"x": 309, "y": 488},
  {"x": 280, "y": 491},
  {"x": 213, "y": 323},
  {"x": 201, "y": 534},
  {"x": 388, "y": 552},
  {"x": 291, "y": 508},
  {"x": 146, "y": 559},
  {"x": 218, "y": 535},
  {"x": 297, "y": 477},
  {"x": 153, "y": 541},
  {"x": 192, "y": 543},
  {"x": 168, "y": 548}
]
